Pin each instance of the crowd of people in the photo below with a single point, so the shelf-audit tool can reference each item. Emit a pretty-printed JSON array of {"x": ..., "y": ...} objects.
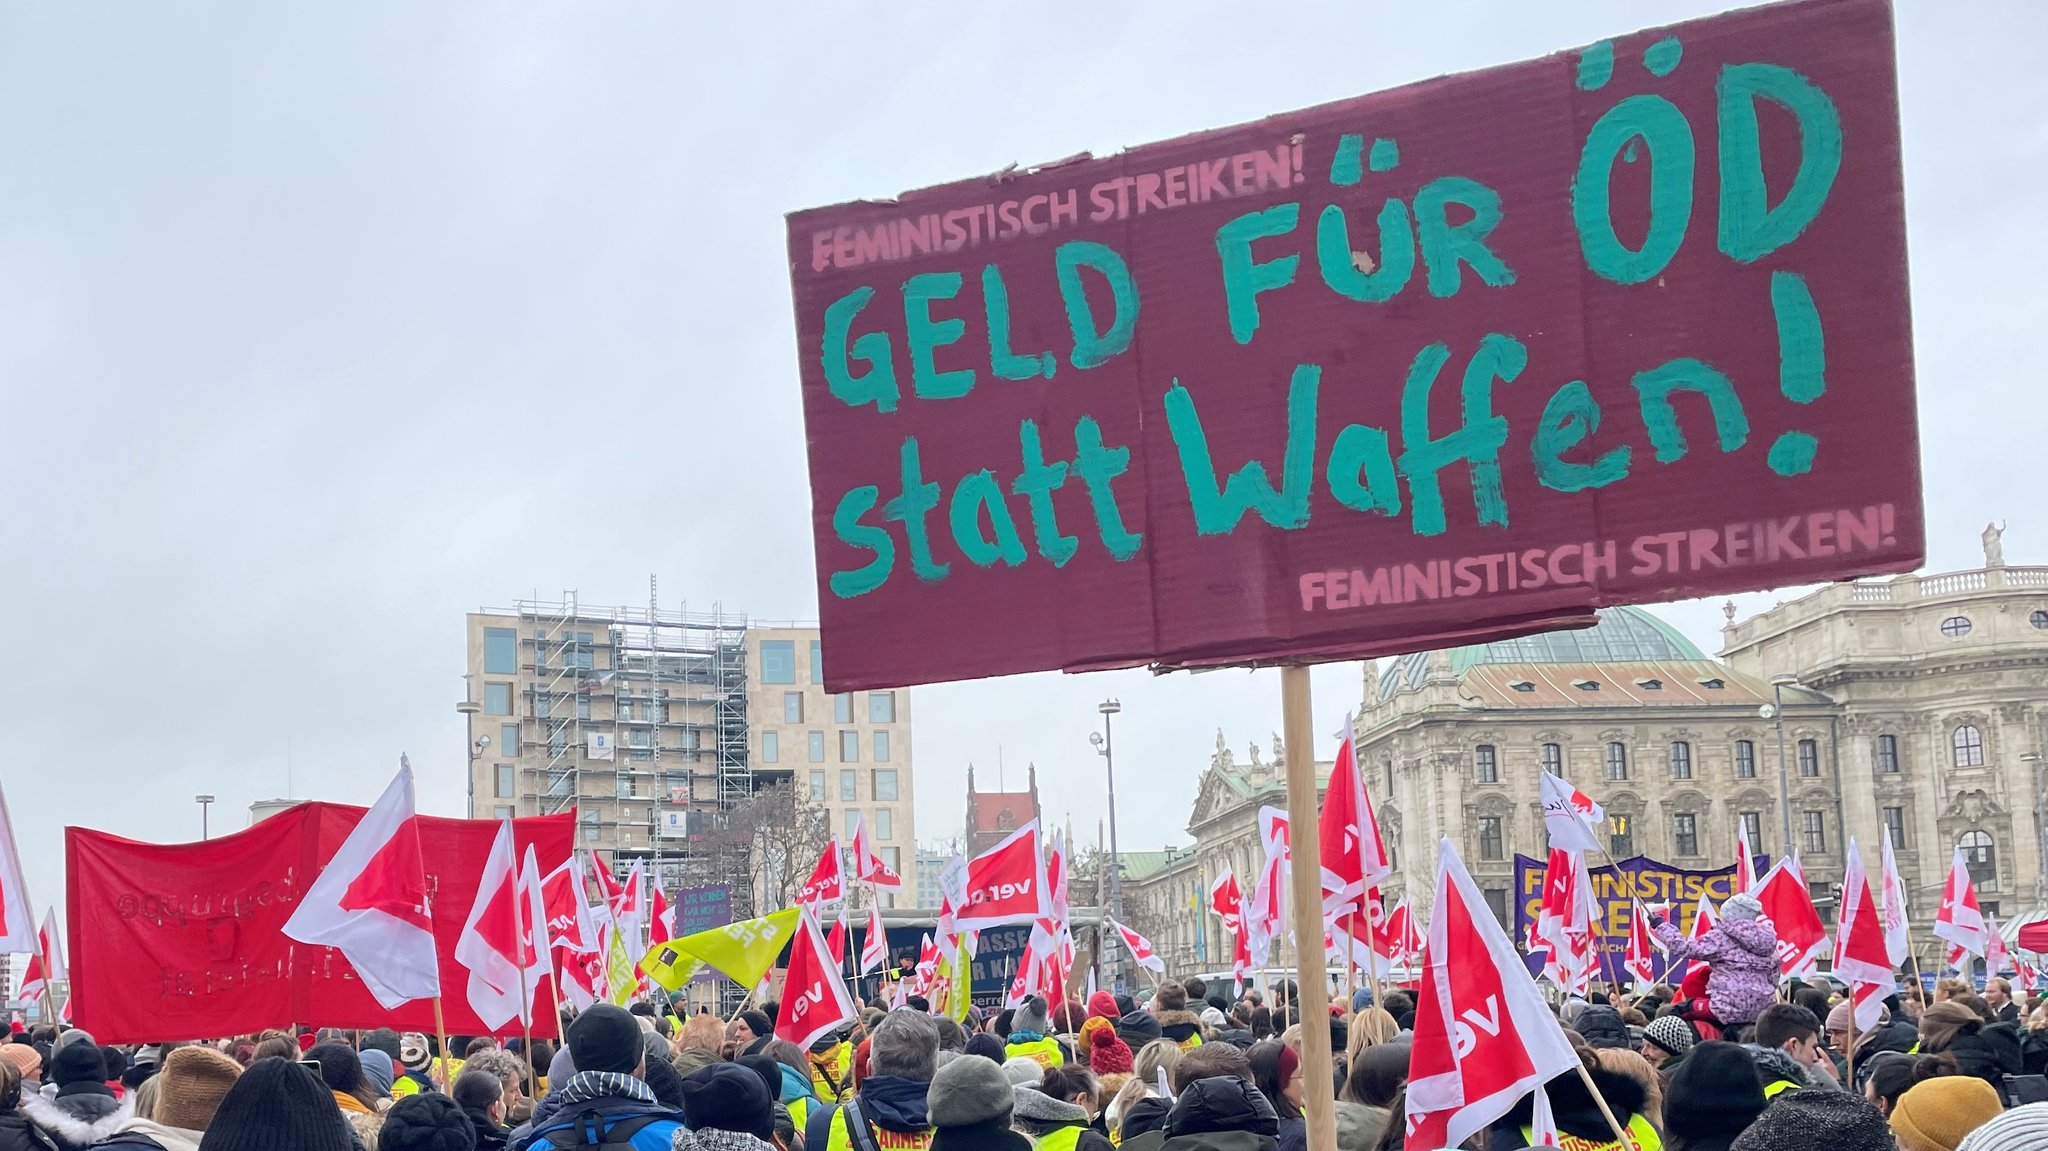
[{"x": 1188, "y": 1067}]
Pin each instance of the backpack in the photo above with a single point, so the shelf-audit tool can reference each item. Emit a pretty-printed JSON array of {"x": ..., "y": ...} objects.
[{"x": 588, "y": 1133}]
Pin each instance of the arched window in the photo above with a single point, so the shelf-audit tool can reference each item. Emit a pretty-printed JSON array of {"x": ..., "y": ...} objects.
[
  {"x": 1980, "y": 855},
  {"x": 1969, "y": 746}
]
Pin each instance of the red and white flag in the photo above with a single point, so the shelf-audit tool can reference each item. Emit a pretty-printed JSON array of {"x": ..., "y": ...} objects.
[
  {"x": 503, "y": 942},
  {"x": 1893, "y": 893},
  {"x": 370, "y": 902},
  {"x": 1141, "y": 949},
  {"x": 1226, "y": 901},
  {"x": 1483, "y": 1036},
  {"x": 1745, "y": 863},
  {"x": 1997, "y": 959},
  {"x": 874, "y": 950},
  {"x": 1354, "y": 855},
  {"x": 659, "y": 928},
  {"x": 571, "y": 926},
  {"x": 17, "y": 916},
  {"x": 827, "y": 884},
  {"x": 1569, "y": 815},
  {"x": 1635, "y": 957},
  {"x": 1860, "y": 956},
  {"x": 835, "y": 941},
  {"x": 1960, "y": 921},
  {"x": 609, "y": 891},
  {"x": 1802, "y": 937},
  {"x": 1401, "y": 939},
  {"x": 814, "y": 998},
  {"x": 1564, "y": 924},
  {"x": 1704, "y": 917},
  {"x": 46, "y": 963},
  {"x": 927, "y": 964},
  {"x": 630, "y": 910},
  {"x": 868, "y": 867},
  {"x": 1006, "y": 883}
]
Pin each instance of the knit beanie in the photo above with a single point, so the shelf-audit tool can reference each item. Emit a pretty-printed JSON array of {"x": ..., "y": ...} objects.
[
  {"x": 277, "y": 1105},
  {"x": 1816, "y": 1118},
  {"x": 1714, "y": 1090},
  {"x": 758, "y": 1022},
  {"x": 1741, "y": 907},
  {"x": 1672, "y": 1035},
  {"x": 427, "y": 1121},
  {"x": 1024, "y": 1071},
  {"x": 987, "y": 1046},
  {"x": 1838, "y": 1016},
  {"x": 1032, "y": 1017},
  {"x": 77, "y": 1063},
  {"x": 1601, "y": 1026},
  {"x": 2019, "y": 1129},
  {"x": 1108, "y": 1055},
  {"x": 191, "y": 1085},
  {"x": 966, "y": 1092},
  {"x": 1102, "y": 1005},
  {"x": 377, "y": 1069},
  {"x": 24, "y": 1058},
  {"x": 605, "y": 1038},
  {"x": 1935, "y": 1114},
  {"x": 768, "y": 1069},
  {"x": 414, "y": 1052},
  {"x": 728, "y": 1097}
]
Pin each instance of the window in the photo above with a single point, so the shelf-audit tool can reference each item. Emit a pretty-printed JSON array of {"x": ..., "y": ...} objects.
[
  {"x": 881, "y": 707},
  {"x": 792, "y": 707},
  {"x": 503, "y": 811},
  {"x": 503, "y": 788},
  {"x": 1587, "y": 685},
  {"x": 1490, "y": 846},
  {"x": 1650, "y": 684},
  {"x": 771, "y": 746},
  {"x": 625, "y": 789},
  {"x": 501, "y": 651},
  {"x": 849, "y": 786},
  {"x": 849, "y": 747},
  {"x": 778, "y": 661},
  {"x": 1497, "y": 902},
  {"x": 2039, "y": 619},
  {"x": 1553, "y": 759},
  {"x": 1980, "y": 855},
  {"x": 1888, "y": 754},
  {"x": 894, "y": 857},
  {"x": 849, "y": 822},
  {"x": 497, "y": 699},
  {"x": 583, "y": 654},
  {"x": 1685, "y": 833},
  {"x": 582, "y": 706},
  {"x": 643, "y": 755},
  {"x": 1815, "y": 828},
  {"x": 1487, "y": 763},
  {"x": 1745, "y": 759},
  {"x": 1956, "y": 626},
  {"x": 1969, "y": 746},
  {"x": 1617, "y": 762},
  {"x": 623, "y": 710},
  {"x": 885, "y": 785},
  {"x": 817, "y": 787},
  {"x": 842, "y": 708},
  {"x": 885, "y": 823},
  {"x": 508, "y": 739},
  {"x": 817, "y": 748},
  {"x": 1895, "y": 825},
  {"x": 1681, "y": 760},
  {"x": 1752, "y": 828},
  {"x": 1809, "y": 758},
  {"x": 817, "y": 662},
  {"x": 1712, "y": 684},
  {"x": 1621, "y": 836},
  {"x": 881, "y": 747}
]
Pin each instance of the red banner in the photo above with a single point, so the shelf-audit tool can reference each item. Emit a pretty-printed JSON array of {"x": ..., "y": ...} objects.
[
  {"x": 1449, "y": 363},
  {"x": 184, "y": 940}
]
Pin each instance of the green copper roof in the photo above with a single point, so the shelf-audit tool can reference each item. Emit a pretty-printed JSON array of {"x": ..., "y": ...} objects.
[{"x": 1623, "y": 635}]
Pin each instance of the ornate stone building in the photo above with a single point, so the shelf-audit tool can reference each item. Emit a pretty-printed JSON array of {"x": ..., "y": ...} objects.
[{"x": 1911, "y": 707}]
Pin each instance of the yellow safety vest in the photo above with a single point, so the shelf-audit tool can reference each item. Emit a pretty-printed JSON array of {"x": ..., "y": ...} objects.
[
  {"x": 1778, "y": 1087},
  {"x": 1045, "y": 1052},
  {"x": 799, "y": 1112},
  {"x": 1060, "y": 1139},
  {"x": 885, "y": 1139},
  {"x": 1191, "y": 1042},
  {"x": 1641, "y": 1137},
  {"x": 828, "y": 1072}
]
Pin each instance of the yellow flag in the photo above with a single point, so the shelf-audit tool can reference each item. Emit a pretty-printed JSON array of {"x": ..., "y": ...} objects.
[
  {"x": 620, "y": 982},
  {"x": 963, "y": 990},
  {"x": 669, "y": 966},
  {"x": 743, "y": 951}
]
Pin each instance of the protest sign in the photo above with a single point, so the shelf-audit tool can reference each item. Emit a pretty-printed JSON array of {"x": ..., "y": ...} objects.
[
  {"x": 1615, "y": 889},
  {"x": 1449, "y": 363}
]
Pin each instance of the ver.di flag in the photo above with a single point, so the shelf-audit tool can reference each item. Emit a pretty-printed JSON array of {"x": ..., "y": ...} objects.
[
  {"x": 1569, "y": 815},
  {"x": 504, "y": 940},
  {"x": 1897, "y": 944},
  {"x": 1860, "y": 956},
  {"x": 1006, "y": 883},
  {"x": 1959, "y": 920},
  {"x": 1141, "y": 949},
  {"x": 1802, "y": 937},
  {"x": 827, "y": 884}
]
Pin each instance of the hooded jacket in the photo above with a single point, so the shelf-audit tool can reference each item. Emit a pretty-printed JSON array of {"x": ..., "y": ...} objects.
[
  {"x": 18, "y": 1134},
  {"x": 1144, "y": 1124},
  {"x": 76, "y": 1121},
  {"x": 1574, "y": 1109},
  {"x": 1743, "y": 957},
  {"x": 1037, "y": 1114},
  {"x": 1222, "y": 1113},
  {"x": 1179, "y": 1026},
  {"x": 1990, "y": 1054},
  {"x": 1896, "y": 1035}
]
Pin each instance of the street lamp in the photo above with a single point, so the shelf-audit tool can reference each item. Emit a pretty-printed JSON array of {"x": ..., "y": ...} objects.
[
  {"x": 472, "y": 746},
  {"x": 205, "y": 803},
  {"x": 1775, "y": 711},
  {"x": 2033, "y": 760},
  {"x": 1106, "y": 749}
]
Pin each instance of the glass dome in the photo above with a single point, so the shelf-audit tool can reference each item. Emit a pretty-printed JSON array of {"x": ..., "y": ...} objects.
[{"x": 1623, "y": 635}]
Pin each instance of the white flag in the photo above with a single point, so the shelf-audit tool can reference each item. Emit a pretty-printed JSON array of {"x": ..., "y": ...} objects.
[
  {"x": 1896, "y": 930},
  {"x": 17, "y": 918},
  {"x": 1569, "y": 815}
]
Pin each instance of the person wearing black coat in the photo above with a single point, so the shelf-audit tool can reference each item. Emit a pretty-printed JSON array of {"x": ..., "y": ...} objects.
[
  {"x": 16, "y": 1132},
  {"x": 1221, "y": 1113},
  {"x": 1988, "y": 1051},
  {"x": 1573, "y": 1107}
]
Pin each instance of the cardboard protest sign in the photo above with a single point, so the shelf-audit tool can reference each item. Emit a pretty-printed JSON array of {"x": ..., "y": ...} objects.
[{"x": 1448, "y": 363}]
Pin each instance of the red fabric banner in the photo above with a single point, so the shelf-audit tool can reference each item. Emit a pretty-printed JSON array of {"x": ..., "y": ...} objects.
[{"x": 185, "y": 940}]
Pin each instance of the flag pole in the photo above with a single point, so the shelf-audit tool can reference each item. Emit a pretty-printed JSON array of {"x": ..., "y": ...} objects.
[
  {"x": 1314, "y": 1007},
  {"x": 441, "y": 1034},
  {"x": 1850, "y": 1053},
  {"x": 1606, "y": 1112},
  {"x": 525, "y": 1033}
]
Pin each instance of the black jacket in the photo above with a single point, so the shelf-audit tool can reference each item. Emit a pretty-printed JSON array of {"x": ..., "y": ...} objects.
[
  {"x": 1573, "y": 1108},
  {"x": 1898, "y": 1035},
  {"x": 1221, "y": 1112},
  {"x": 1991, "y": 1054},
  {"x": 18, "y": 1134},
  {"x": 2034, "y": 1051},
  {"x": 489, "y": 1136}
]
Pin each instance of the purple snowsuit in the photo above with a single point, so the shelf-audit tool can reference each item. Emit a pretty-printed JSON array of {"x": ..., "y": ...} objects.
[{"x": 1743, "y": 955}]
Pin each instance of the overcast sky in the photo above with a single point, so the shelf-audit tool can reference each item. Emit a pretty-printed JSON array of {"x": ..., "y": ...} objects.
[{"x": 321, "y": 325}]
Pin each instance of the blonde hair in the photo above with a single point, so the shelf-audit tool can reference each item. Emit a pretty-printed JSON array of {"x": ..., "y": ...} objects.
[
  {"x": 1946, "y": 989},
  {"x": 1160, "y": 1053},
  {"x": 1370, "y": 1027},
  {"x": 704, "y": 1031},
  {"x": 1622, "y": 1061},
  {"x": 145, "y": 1098}
]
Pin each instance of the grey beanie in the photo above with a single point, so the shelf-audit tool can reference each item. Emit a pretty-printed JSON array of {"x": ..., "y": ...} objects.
[
  {"x": 1037, "y": 1106},
  {"x": 1032, "y": 1017},
  {"x": 1023, "y": 1071},
  {"x": 2017, "y": 1130},
  {"x": 1741, "y": 907},
  {"x": 968, "y": 1091}
]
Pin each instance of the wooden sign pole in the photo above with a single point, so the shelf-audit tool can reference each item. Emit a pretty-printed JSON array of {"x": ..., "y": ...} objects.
[{"x": 1312, "y": 981}]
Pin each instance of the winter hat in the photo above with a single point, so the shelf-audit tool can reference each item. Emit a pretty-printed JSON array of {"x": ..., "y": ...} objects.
[
  {"x": 2019, "y": 1129},
  {"x": 414, "y": 1052},
  {"x": 1023, "y": 1071},
  {"x": 1936, "y": 1114},
  {"x": 427, "y": 1121},
  {"x": 1029, "y": 1103},
  {"x": 1137, "y": 1028},
  {"x": 70, "y": 1036},
  {"x": 24, "y": 1058},
  {"x": 1214, "y": 1018},
  {"x": 1102, "y": 1005},
  {"x": 277, "y": 1105},
  {"x": 1221, "y": 1103},
  {"x": 727, "y": 1097},
  {"x": 1714, "y": 1092},
  {"x": 967, "y": 1092},
  {"x": 1743, "y": 906},
  {"x": 605, "y": 1038},
  {"x": 562, "y": 1067},
  {"x": 666, "y": 1082},
  {"x": 1672, "y": 1035},
  {"x": 1809, "y": 1118},
  {"x": 1361, "y": 999},
  {"x": 757, "y": 1022},
  {"x": 1170, "y": 996},
  {"x": 378, "y": 1070},
  {"x": 77, "y": 1063},
  {"x": 1125, "y": 1004},
  {"x": 1032, "y": 1017},
  {"x": 191, "y": 1085},
  {"x": 1838, "y": 1016},
  {"x": 987, "y": 1046},
  {"x": 768, "y": 1069},
  {"x": 1108, "y": 1055},
  {"x": 1601, "y": 1026}
]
